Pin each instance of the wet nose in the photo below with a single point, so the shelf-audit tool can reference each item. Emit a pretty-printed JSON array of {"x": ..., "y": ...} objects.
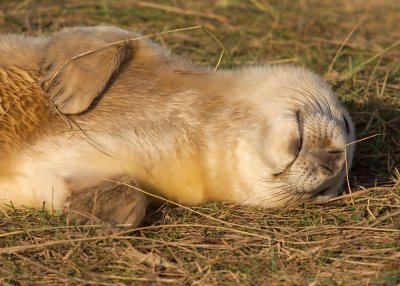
[{"x": 330, "y": 161}]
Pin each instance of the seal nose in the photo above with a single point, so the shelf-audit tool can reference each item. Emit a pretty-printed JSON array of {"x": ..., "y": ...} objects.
[{"x": 329, "y": 160}]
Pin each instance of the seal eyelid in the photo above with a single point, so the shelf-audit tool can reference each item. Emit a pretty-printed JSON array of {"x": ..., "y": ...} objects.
[
  {"x": 347, "y": 125},
  {"x": 300, "y": 144}
]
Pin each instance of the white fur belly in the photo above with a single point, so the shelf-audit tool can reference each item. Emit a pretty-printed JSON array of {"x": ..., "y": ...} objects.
[{"x": 46, "y": 174}]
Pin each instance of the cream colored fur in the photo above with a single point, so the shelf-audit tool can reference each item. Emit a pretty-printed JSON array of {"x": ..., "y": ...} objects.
[
  {"x": 264, "y": 135},
  {"x": 20, "y": 50}
]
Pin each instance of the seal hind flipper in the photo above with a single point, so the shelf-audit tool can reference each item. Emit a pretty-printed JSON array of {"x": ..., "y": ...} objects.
[{"x": 72, "y": 87}]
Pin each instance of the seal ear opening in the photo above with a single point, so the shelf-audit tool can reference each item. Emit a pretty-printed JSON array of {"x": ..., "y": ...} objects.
[{"x": 73, "y": 78}]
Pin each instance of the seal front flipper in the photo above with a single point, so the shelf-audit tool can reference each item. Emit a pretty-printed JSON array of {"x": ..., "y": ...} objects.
[{"x": 71, "y": 81}]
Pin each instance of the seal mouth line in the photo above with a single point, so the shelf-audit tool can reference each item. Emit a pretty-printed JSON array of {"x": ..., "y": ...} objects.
[{"x": 319, "y": 193}]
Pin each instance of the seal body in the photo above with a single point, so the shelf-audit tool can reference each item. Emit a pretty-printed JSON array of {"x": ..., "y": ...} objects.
[{"x": 266, "y": 135}]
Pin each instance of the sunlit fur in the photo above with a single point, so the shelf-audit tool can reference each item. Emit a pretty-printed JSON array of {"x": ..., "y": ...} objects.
[{"x": 263, "y": 135}]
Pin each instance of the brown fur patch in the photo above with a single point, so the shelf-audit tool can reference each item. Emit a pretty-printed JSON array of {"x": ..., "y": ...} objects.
[{"x": 23, "y": 108}]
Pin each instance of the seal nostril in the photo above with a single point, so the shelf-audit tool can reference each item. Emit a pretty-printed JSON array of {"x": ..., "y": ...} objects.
[
  {"x": 327, "y": 168},
  {"x": 335, "y": 151}
]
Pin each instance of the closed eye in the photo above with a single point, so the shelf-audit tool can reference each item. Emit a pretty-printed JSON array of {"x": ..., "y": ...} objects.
[
  {"x": 347, "y": 125},
  {"x": 300, "y": 143},
  {"x": 296, "y": 148}
]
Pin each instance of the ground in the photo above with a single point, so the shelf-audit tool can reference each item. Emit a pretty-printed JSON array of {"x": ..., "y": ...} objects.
[{"x": 353, "y": 240}]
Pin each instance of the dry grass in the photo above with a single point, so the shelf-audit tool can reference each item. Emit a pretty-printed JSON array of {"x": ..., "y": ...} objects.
[{"x": 354, "y": 240}]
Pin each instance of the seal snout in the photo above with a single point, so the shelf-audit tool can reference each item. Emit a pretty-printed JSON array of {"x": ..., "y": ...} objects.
[{"x": 329, "y": 161}]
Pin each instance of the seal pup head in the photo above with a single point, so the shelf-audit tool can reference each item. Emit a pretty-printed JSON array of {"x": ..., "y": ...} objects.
[{"x": 304, "y": 136}]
